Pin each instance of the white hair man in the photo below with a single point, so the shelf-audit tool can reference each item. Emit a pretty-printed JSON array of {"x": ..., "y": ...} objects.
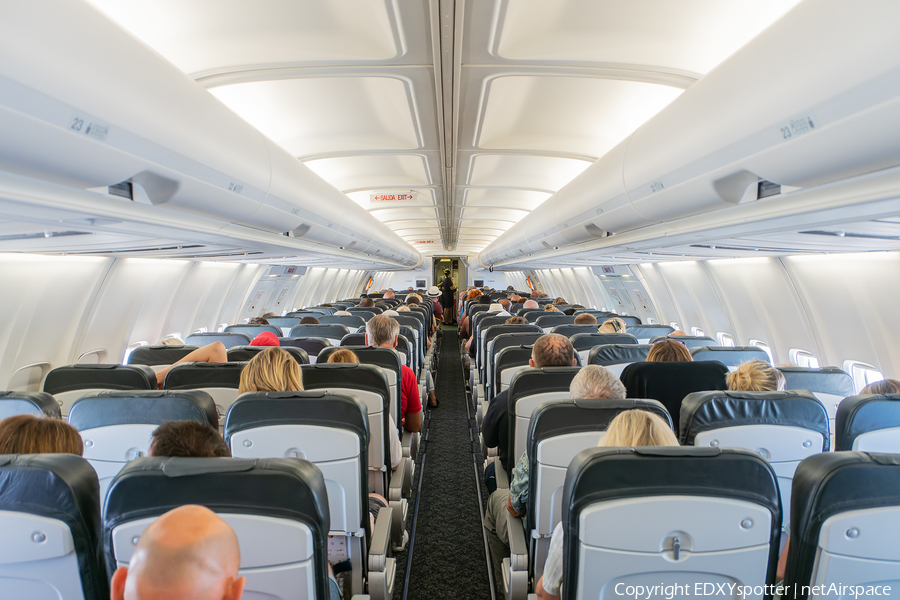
[{"x": 382, "y": 331}]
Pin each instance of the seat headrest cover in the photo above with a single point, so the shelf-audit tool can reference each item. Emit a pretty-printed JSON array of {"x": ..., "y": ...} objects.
[
  {"x": 826, "y": 380},
  {"x": 602, "y": 474},
  {"x": 857, "y": 415},
  {"x": 703, "y": 411},
  {"x": 16, "y": 403},
  {"x": 63, "y": 487},
  {"x": 618, "y": 353},
  {"x": 204, "y": 375},
  {"x": 106, "y": 376},
  {"x": 537, "y": 381},
  {"x": 386, "y": 358},
  {"x": 159, "y": 355},
  {"x": 828, "y": 484},
  {"x": 289, "y": 488},
  {"x": 246, "y": 353},
  {"x": 729, "y": 355},
  {"x": 144, "y": 408},
  {"x": 346, "y": 375}
]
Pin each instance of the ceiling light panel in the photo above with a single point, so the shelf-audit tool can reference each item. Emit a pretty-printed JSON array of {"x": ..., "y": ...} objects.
[
  {"x": 327, "y": 114},
  {"x": 494, "y": 214},
  {"x": 506, "y": 198},
  {"x": 204, "y": 35},
  {"x": 386, "y": 215},
  {"x": 685, "y": 36},
  {"x": 519, "y": 171},
  {"x": 366, "y": 172},
  {"x": 575, "y": 115}
]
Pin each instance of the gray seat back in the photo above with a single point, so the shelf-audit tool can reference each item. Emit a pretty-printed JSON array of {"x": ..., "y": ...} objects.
[
  {"x": 246, "y": 353},
  {"x": 331, "y": 332},
  {"x": 278, "y": 508},
  {"x": 616, "y": 357},
  {"x": 673, "y": 515},
  {"x": 311, "y": 345},
  {"x": 69, "y": 383},
  {"x": 219, "y": 380},
  {"x": 644, "y": 333},
  {"x": 50, "y": 524},
  {"x": 116, "y": 427},
  {"x": 845, "y": 514},
  {"x": 228, "y": 339},
  {"x": 39, "y": 404},
  {"x": 254, "y": 330},
  {"x": 730, "y": 356},
  {"x": 690, "y": 341},
  {"x": 869, "y": 423},
  {"x": 782, "y": 427},
  {"x": 829, "y": 384},
  {"x": 529, "y": 389}
]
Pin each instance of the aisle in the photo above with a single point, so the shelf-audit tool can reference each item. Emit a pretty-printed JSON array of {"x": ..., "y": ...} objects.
[{"x": 448, "y": 555}]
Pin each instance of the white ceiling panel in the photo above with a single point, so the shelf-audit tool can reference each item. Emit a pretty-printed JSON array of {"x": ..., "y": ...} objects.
[
  {"x": 398, "y": 214},
  {"x": 492, "y": 214},
  {"x": 506, "y": 198},
  {"x": 328, "y": 114},
  {"x": 200, "y": 35},
  {"x": 366, "y": 172},
  {"x": 519, "y": 171},
  {"x": 473, "y": 227},
  {"x": 689, "y": 36},
  {"x": 580, "y": 115}
]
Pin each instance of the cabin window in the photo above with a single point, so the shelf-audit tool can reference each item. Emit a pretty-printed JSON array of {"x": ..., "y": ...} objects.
[
  {"x": 803, "y": 358},
  {"x": 725, "y": 339},
  {"x": 696, "y": 331},
  {"x": 862, "y": 373},
  {"x": 651, "y": 321},
  {"x": 201, "y": 330},
  {"x": 764, "y": 346},
  {"x": 674, "y": 325},
  {"x": 222, "y": 327},
  {"x": 131, "y": 348}
]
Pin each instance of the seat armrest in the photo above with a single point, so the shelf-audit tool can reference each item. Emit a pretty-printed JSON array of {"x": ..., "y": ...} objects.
[
  {"x": 502, "y": 477},
  {"x": 516, "y": 570},
  {"x": 399, "y": 537},
  {"x": 401, "y": 480},
  {"x": 410, "y": 443},
  {"x": 382, "y": 568}
]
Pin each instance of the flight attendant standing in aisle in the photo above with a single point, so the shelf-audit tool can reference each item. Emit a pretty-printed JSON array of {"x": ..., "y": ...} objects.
[{"x": 447, "y": 301}]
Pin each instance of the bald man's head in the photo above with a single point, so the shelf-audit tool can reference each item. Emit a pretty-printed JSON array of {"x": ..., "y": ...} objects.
[{"x": 189, "y": 553}]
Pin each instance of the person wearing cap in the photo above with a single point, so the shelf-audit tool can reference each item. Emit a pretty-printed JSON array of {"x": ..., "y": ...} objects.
[{"x": 212, "y": 353}]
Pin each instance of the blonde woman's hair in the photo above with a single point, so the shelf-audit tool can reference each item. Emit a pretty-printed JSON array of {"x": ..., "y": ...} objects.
[
  {"x": 614, "y": 325},
  {"x": 755, "y": 376},
  {"x": 560, "y": 300},
  {"x": 343, "y": 356},
  {"x": 172, "y": 341},
  {"x": 403, "y": 308},
  {"x": 272, "y": 370},
  {"x": 551, "y": 308},
  {"x": 638, "y": 428}
]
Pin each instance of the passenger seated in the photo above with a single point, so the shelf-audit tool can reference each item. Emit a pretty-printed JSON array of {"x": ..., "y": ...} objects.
[
  {"x": 172, "y": 341},
  {"x": 550, "y": 350},
  {"x": 530, "y": 304},
  {"x": 343, "y": 355},
  {"x": 669, "y": 351},
  {"x": 366, "y": 303},
  {"x": 382, "y": 331},
  {"x": 755, "y": 376},
  {"x": 189, "y": 553},
  {"x": 259, "y": 321},
  {"x": 560, "y": 300},
  {"x": 266, "y": 338},
  {"x": 630, "y": 428},
  {"x": 212, "y": 353},
  {"x": 551, "y": 308},
  {"x": 614, "y": 325},
  {"x": 885, "y": 386},
  {"x": 191, "y": 439},
  {"x": 29, "y": 434},
  {"x": 310, "y": 321},
  {"x": 591, "y": 382},
  {"x": 272, "y": 370},
  {"x": 585, "y": 319},
  {"x": 516, "y": 321},
  {"x": 340, "y": 313}
]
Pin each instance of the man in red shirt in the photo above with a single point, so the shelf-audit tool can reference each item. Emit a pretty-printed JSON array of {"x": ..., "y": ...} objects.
[{"x": 382, "y": 331}]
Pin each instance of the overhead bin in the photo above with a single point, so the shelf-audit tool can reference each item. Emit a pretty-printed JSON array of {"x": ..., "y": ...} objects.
[
  {"x": 813, "y": 99},
  {"x": 85, "y": 104}
]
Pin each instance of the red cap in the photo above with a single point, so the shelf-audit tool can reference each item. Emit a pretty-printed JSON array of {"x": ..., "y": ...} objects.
[{"x": 266, "y": 338}]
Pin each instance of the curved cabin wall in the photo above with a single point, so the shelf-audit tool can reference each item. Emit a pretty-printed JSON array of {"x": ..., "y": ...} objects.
[
  {"x": 87, "y": 105},
  {"x": 838, "y": 307},
  {"x": 56, "y": 308},
  {"x": 813, "y": 99}
]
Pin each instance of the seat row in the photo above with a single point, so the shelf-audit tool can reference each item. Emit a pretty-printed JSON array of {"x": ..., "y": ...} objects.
[{"x": 780, "y": 428}]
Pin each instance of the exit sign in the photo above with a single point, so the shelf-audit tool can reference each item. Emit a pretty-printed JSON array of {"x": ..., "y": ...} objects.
[{"x": 394, "y": 196}]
